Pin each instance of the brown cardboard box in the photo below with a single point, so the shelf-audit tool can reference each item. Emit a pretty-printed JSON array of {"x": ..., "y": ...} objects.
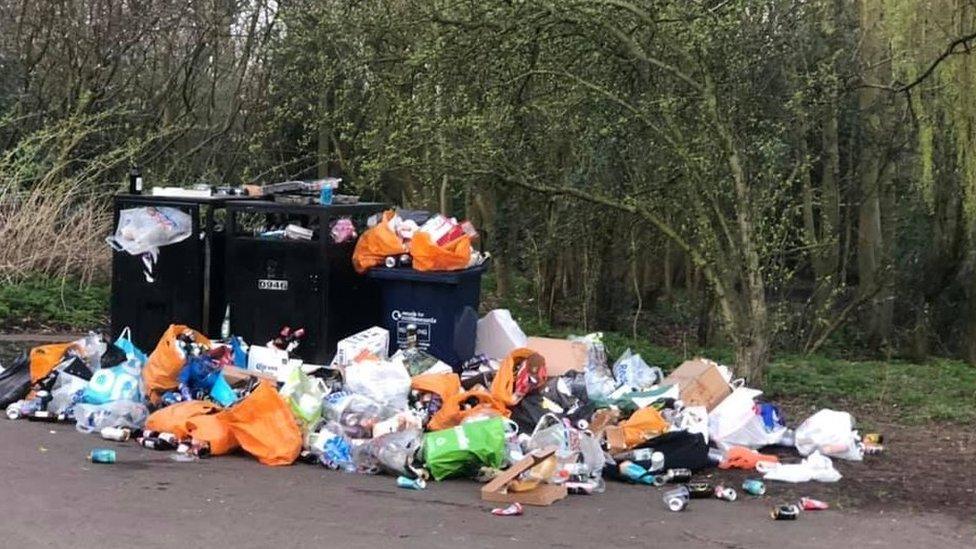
[
  {"x": 561, "y": 355},
  {"x": 544, "y": 494},
  {"x": 235, "y": 375},
  {"x": 699, "y": 383}
]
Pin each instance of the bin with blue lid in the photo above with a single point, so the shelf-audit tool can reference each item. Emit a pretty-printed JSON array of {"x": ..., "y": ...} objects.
[{"x": 443, "y": 305}]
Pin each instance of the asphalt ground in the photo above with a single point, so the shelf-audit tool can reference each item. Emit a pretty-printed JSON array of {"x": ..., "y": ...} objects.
[{"x": 53, "y": 497}]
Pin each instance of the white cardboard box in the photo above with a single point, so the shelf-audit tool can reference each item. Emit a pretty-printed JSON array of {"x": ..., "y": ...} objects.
[
  {"x": 271, "y": 361},
  {"x": 374, "y": 340},
  {"x": 499, "y": 335}
]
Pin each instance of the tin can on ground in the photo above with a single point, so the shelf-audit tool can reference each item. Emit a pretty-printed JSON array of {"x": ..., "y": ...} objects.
[
  {"x": 874, "y": 438},
  {"x": 753, "y": 486},
  {"x": 102, "y": 455},
  {"x": 700, "y": 490},
  {"x": 726, "y": 493},
  {"x": 512, "y": 510},
  {"x": 785, "y": 512},
  {"x": 810, "y": 504},
  {"x": 678, "y": 475},
  {"x": 676, "y": 499},
  {"x": 411, "y": 483},
  {"x": 118, "y": 434}
]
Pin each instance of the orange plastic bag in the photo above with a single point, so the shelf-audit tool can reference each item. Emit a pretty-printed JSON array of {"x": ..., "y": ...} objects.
[
  {"x": 162, "y": 370},
  {"x": 428, "y": 256},
  {"x": 644, "y": 424},
  {"x": 213, "y": 428},
  {"x": 265, "y": 427},
  {"x": 174, "y": 418},
  {"x": 442, "y": 385},
  {"x": 43, "y": 359},
  {"x": 376, "y": 244},
  {"x": 503, "y": 386},
  {"x": 452, "y": 413}
]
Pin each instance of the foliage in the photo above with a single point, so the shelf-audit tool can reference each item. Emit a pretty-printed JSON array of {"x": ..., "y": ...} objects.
[
  {"x": 753, "y": 170},
  {"x": 43, "y": 302}
]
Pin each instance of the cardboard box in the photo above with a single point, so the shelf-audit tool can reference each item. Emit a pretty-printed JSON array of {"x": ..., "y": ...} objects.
[
  {"x": 235, "y": 375},
  {"x": 544, "y": 494},
  {"x": 271, "y": 361},
  {"x": 499, "y": 335},
  {"x": 375, "y": 341},
  {"x": 561, "y": 355},
  {"x": 700, "y": 383}
]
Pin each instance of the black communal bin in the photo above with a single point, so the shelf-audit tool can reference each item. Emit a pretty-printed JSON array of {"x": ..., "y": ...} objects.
[
  {"x": 310, "y": 284},
  {"x": 443, "y": 305},
  {"x": 188, "y": 282}
]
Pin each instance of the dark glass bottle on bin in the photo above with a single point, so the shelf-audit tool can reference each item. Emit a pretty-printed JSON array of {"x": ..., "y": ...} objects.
[{"x": 135, "y": 180}]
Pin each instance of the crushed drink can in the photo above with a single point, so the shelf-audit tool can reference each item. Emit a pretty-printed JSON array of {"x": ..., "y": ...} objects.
[
  {"x": 118, "y": 434},
  {"x": 753, "y": 487},
  {"x": 700, "y": 490},
  {"x": 390, "y": 262},
  {"x": 43, "y": 415},
  {"x": 873, "y": 438},
  {"x": 411, "y": 483},
  {"x": 102, "y": 455},
  {"x": 676, "y": 499},
  {"x": 726, "y": 493},
  {"x": 785, "y": 512},
  {"x": 810, "y": 504},
  {"x": 872, "y": 449},
  {"x": 676, "y": 476},
  {"x": 512, "y": 510}
]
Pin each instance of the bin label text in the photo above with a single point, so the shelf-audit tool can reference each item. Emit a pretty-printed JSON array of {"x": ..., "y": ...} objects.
[{"x": 272, "y": 284}]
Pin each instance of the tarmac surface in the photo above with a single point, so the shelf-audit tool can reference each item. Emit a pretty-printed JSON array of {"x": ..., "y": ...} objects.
[{"x": 53, "y": 497}]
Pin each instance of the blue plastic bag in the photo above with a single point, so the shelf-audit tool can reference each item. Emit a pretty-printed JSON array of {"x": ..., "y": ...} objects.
[
  {"x": 118, "y": 383},
  {"x": 125, "y": 343}
]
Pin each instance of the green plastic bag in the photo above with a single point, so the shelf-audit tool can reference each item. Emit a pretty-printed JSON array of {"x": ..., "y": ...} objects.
[
  {"x": 304, "y": 395},
  {"x": 460, "y": 451}
]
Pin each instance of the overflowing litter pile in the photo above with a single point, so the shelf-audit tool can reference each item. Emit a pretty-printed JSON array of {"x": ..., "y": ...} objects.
[
  {"x": 404, "y": 238},
  {"x": 534, "y": 419}
]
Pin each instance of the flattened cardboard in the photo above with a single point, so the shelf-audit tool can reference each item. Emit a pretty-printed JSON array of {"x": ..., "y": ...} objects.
[
  {"x": 561, "y": 355},
  {"x": 602, "y": 419},
  {"x": 545, "y": 494},
  {"x": 235, "y": 375},
  {"x": 616, "y": 439},
  {"x": 700, "y": 383}
]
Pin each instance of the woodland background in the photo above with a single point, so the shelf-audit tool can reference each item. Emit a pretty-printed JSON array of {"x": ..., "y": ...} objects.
[{"x": 764, "y": 176}]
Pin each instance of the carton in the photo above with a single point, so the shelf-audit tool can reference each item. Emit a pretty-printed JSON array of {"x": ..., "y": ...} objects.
[
  {"x": 561, "y": 355},
  {"x": 271, "y": 361},
  {"x": 544, "y": 494},
  {"x": 374, "y": 341},
  {"x": 700, "y": 383},
  {"x": 499, "y": 335}
]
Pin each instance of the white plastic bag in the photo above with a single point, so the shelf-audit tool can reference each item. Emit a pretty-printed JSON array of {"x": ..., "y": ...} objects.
[
  {"x": 631, "y": 370},
  {"x": 63, "y": 393},
  {"x": 599, "y": 381},
  {"x": 693, "y": 419},
  {"x": 90, "y": 418},
  {"x": 816, "y": 467},
  {"x": 146, "y": 229},
  {"x": 386, "y": 382},
  {"x": 831, "y": 433},
  {"x": 732, "y": 413},
  {"x": 754, "y": 435}
]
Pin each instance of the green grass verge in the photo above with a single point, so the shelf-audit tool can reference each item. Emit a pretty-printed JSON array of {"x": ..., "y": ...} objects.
[{"x": 43, "y": 302}]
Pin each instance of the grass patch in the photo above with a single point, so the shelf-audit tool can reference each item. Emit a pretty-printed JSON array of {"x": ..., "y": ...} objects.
[
  {"x": 51, "y": 303},
  {"x": 937, "y": 390}
]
